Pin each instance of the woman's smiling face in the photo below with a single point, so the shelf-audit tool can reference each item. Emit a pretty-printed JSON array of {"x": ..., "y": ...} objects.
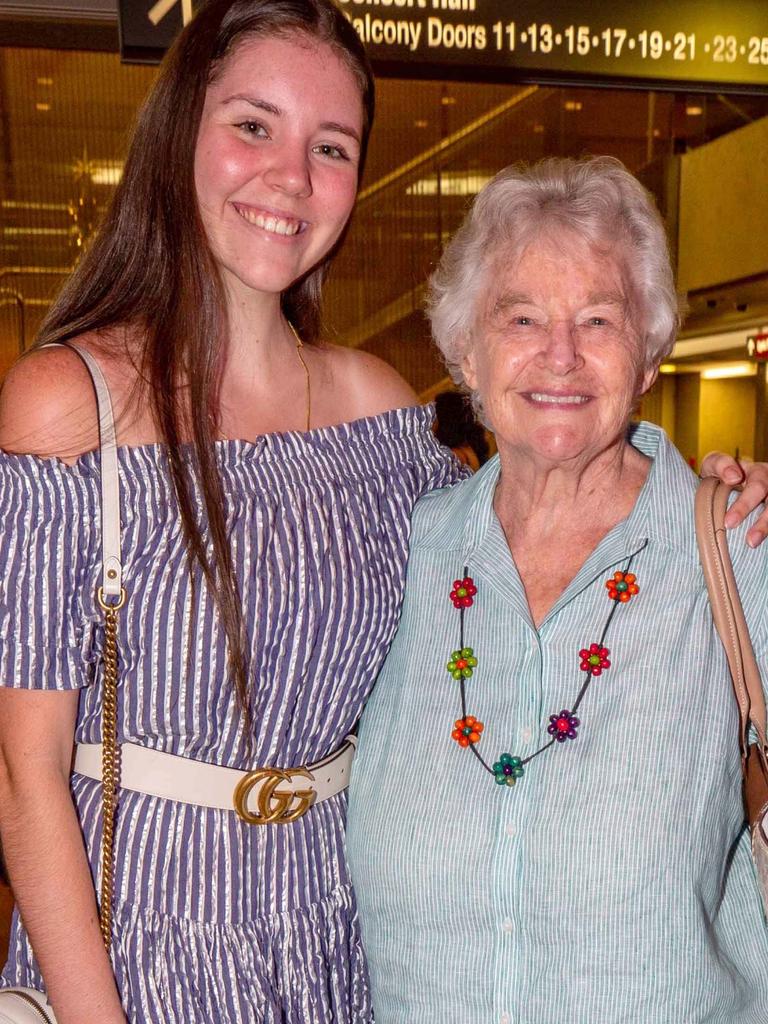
[
  {"x": 555, "y": 358},
  {"x": 276, "y": 163}
]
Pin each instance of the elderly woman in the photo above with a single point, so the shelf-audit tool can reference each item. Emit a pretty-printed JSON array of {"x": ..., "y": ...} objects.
[{"x": 552, "y": 829}]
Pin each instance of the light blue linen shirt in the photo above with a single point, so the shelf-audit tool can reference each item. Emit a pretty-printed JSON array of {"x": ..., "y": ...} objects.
[{"x": 614, "y": 882}]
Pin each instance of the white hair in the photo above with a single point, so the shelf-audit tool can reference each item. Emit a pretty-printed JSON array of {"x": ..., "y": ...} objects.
[{"x": 596, "y": 199}]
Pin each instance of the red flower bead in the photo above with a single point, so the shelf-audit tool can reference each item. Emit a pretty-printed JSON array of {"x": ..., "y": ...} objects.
[
  {"x": 622, "y": 587},
  {"x": 463, "y": 592},
  {"x": 594, "y": 659},
  {"x": 467, "y": 730}
]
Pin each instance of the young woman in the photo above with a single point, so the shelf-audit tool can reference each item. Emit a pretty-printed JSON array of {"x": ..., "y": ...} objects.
[{"x": 267, "y": 483}]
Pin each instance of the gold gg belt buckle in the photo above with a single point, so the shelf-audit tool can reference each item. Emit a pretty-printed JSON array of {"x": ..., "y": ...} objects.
[{"x": 273, "y": 806}]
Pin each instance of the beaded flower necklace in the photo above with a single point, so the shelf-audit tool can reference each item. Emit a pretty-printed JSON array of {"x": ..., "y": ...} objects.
[{"x": 563, "y": 726}]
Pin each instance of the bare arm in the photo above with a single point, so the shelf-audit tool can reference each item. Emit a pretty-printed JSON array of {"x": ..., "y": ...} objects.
[
  {"x": 47, "y": 408},
  {"x": 46, "y": 860}
]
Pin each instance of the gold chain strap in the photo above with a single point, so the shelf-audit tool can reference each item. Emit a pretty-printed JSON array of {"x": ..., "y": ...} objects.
[{"x": 110, "y": 765}]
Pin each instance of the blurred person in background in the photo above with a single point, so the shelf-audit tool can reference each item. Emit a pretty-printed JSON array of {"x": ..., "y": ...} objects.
[{"x": 457, "y": 428}]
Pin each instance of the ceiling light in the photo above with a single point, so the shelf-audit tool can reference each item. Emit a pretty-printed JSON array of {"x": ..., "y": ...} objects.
[
  {"x": 451, "y": 183},
  {"x": 572, "y": 105},
  {"x": 42, "y": 106},
  {"x": 21, "y": 204},
  {"x": 45, "y": 81},
  {"x": 107, "y": 175},
  {"x": 729, "y": 370},
  {"x": 420, "y": 124},
  {"x": 694, "y": 110},
  {"x": 538, "y": 129},
  {"x": 19, "y": 232},
  {"x": 100, "y": 172},
  {"x": 667, "y": 368},
  {"x": 448, "y": 101}
]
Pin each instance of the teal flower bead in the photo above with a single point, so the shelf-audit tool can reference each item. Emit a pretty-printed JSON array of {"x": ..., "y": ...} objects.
[{"x": 508, "y": 769}]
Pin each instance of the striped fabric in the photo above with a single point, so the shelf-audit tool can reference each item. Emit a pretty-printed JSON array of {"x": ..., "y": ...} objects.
[
  {"x": 613, "y": 884},
  {"x": 217, "y": 920}
]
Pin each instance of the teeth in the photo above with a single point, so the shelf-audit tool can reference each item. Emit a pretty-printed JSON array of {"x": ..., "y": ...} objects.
[
  {"x": 539, "y": 396},
  {"x": 277, "y": 225}
]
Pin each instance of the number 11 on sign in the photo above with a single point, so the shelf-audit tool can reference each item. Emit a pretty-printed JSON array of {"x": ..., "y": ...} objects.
[{"x": 500, "y": 31}]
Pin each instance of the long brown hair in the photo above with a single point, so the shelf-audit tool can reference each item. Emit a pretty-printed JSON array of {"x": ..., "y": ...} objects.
[{"x": 150, "y": 266}]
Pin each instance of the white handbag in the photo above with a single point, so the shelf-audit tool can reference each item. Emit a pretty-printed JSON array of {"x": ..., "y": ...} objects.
[{"x": 26, "y": 1005}]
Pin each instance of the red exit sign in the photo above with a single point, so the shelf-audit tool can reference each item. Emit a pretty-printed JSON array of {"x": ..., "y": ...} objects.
[{"x": 757, "y": 345}]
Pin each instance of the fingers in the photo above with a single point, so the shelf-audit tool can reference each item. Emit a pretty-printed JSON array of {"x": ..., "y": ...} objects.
[
  {"x": 753, "y": 494},
  {"x": 758, "y": 531},
  {"x": 753, "y": 476},
  {"x": 723, "y": 466}
]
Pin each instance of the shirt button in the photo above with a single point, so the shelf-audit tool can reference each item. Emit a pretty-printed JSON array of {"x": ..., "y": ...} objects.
[
  {"x": 510, "y": 829},
  {"x": 526, "y": 734},
  {"x": 507, "y": 925}
]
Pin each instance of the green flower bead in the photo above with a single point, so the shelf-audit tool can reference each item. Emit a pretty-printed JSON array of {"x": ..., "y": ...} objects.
[{"x": 462, "y": 663}]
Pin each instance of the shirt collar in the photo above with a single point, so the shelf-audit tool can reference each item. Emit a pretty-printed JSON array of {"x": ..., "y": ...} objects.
[{"x": 663, "y": 513}]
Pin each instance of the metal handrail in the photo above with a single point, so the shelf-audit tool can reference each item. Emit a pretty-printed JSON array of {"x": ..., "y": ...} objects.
[
  {"x": 8, "y": 297},
  {"x": 446, "y": 146},
  {"x": 12, "y": 296}
]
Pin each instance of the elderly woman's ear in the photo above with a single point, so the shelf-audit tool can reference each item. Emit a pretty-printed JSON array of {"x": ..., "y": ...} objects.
[
  {"x": 649, "y": 379},
  {"x": 468, "y": 367}
]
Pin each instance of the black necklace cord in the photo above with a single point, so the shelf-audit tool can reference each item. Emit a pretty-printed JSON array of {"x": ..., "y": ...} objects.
[{"x": 582, "y": 691}]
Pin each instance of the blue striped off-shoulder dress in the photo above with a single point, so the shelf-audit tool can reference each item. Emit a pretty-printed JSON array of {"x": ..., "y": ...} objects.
[{"x": 216, "y": 920}]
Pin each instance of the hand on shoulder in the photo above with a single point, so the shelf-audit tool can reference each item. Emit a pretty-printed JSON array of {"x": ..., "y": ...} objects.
[{"x": 47, "y": 406}]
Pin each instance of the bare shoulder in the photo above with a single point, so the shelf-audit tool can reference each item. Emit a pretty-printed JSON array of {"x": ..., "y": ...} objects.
[
  {"x": 47, "y": 405},
  {"x": 370, "y": 385}
]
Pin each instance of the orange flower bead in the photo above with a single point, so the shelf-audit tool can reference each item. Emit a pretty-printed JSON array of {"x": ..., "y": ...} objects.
[
  {"x": 622, "y": 587},
  {"x": 467, "y": 730}
]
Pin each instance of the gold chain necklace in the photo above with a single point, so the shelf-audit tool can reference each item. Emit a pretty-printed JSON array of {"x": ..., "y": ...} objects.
[{"x": 299, "y": 347}]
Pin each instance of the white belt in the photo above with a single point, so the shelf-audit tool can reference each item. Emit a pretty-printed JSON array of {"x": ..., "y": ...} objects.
[{"x": 260, "y": 797}]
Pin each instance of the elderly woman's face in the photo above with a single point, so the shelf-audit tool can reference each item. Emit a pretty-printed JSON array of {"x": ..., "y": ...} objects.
[{"x": 554, "y": 358}]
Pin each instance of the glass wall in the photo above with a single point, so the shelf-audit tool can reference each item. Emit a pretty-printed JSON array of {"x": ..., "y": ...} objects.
[{"x": 65, "y": 117}]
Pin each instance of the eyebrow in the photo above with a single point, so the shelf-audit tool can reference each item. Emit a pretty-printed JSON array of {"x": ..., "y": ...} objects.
[
  {"x": 508, "y": 299},
  {"x": 270, "y": 108},
  {"x": 606, "y": 299}
]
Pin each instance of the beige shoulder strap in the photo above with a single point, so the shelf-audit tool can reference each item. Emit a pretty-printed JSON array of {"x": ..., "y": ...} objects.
[
  {"x": 112, "y": 566},
  {"x": 710, "y": 508}
]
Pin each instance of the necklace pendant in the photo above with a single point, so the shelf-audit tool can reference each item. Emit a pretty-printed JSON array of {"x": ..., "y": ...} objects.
[
  {"x": 563, "y": 726},
  {"x": 508, "y": 769},
  {"x": 462, "y": 663},
  {"x": 467, "y": 730}
]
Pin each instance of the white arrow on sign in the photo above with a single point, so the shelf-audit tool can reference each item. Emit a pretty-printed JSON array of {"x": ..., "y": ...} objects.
[{"x": 161, "y": 8}]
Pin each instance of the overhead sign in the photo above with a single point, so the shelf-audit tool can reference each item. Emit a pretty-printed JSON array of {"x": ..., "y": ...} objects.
[
  {"x": 686, "y": 45},
  {"x": 757, "y": 345},
  {"x": 148, "y": 27}
]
